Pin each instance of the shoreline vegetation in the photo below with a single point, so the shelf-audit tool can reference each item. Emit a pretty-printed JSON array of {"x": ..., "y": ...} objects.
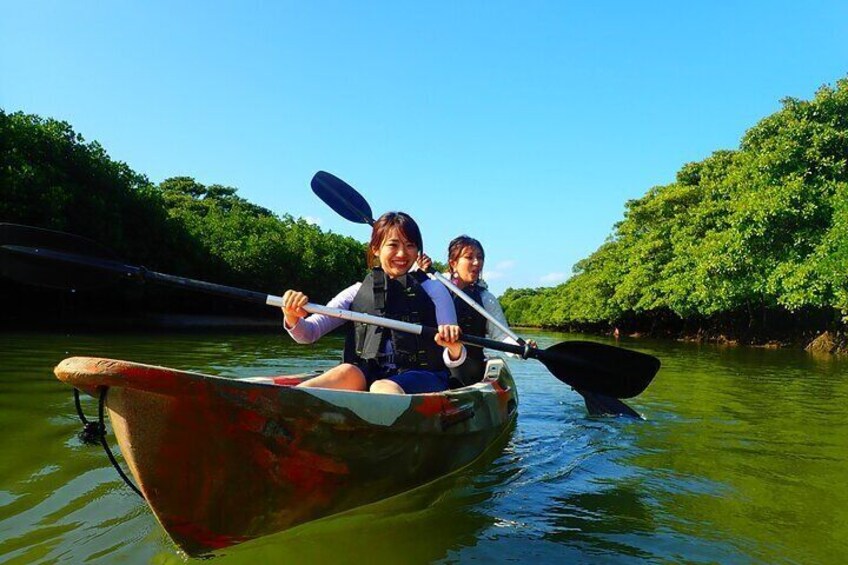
[
  {"x": 817, "y": 342},
  {"x": 747, "y": 247},
  {"x": 51, "y": 178}
]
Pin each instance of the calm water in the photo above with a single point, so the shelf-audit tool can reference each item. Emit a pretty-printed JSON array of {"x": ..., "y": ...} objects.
[{"x": 743, "y": 458}]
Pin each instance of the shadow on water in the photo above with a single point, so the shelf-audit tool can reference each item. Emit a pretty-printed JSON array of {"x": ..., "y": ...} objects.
[{"x": 592, "y": 520}]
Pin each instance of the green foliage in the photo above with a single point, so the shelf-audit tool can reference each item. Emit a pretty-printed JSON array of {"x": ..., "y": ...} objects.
[
  {"x": 270, "y": 253},
  {"x": 758, "y": 229},
  {"x": 440, "y": 267},
  {"x": 50, "y": 177}
]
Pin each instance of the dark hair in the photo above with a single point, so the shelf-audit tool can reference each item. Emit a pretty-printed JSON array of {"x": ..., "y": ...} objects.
[
  {"x": 404, "y": 224},
  {"x": 456, "y": 246}
]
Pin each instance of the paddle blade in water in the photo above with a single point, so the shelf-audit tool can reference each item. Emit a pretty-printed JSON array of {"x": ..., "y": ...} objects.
[
  {"x": 30, "y": 269},
  {"x": 342, "y": 198},
  {"x": 600, "y": 368},
  {"x": 600, "y": 405}
]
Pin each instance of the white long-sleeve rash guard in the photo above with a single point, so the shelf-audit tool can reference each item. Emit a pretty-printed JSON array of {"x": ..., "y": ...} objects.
[{"x": 311, "y": 328}]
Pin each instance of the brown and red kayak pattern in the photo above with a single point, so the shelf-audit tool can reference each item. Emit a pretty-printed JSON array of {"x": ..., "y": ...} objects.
[{"x": 222, "y": 460}]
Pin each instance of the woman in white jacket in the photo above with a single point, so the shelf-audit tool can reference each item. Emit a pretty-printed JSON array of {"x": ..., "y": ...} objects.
[{"x": 465, "y": 264}]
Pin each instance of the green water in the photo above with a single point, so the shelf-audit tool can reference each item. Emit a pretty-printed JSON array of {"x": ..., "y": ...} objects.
[{"x": 743, "y": 458}]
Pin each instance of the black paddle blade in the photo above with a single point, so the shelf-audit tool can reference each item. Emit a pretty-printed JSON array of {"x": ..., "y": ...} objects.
[
  {"x": 342, "y": 198},
  {"x": 599, "y": 368},
  {"x": 34, "y": 270},
  {"x": 600, "y": 405}
]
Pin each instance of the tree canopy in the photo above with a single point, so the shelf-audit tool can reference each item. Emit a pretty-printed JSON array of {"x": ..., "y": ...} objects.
[
  {"x": 51, "y": 178},
  {"x": 759, "y": 229}
]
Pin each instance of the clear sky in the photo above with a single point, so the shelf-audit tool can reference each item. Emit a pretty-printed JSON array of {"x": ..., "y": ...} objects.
[{"x": 526, "y": 124}]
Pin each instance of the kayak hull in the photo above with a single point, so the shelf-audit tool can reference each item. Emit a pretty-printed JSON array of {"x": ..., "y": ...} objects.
[{"x": 221, "y": 461}]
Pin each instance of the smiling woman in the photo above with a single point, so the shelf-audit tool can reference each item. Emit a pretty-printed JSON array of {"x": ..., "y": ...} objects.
[
  {"x": 478, "y": 311},
  {"x": 395, "y": 362}
]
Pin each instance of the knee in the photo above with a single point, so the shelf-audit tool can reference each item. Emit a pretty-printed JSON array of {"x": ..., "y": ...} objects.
[
  {"x": 350, "y": 376},
  {"x": 344, "y": 376},
  {"x": 386, "y": 386}
]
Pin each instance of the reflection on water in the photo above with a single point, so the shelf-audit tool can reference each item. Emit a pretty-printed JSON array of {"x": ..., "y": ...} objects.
[
  {"x": 423, "y": 526},
  {"x": 743, "y": 458}
]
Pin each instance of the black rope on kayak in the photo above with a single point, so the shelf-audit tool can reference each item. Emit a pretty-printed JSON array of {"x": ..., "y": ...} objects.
[{"x": 94, "y": 432}]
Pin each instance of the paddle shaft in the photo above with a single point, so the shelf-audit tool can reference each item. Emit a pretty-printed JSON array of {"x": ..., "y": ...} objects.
[
  {"x": 524, "y": 351},
  {"x": 141, "y": 273}
]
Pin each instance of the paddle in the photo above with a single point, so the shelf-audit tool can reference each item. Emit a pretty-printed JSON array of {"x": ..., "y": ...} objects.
[
  {"x": 351, "y": 205},
  {"x": 45, "y": 274},
  {"x": 588, "y": 366}
]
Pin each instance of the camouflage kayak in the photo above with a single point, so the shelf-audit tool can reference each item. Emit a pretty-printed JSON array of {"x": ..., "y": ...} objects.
[{"x": 221, "y": 461}]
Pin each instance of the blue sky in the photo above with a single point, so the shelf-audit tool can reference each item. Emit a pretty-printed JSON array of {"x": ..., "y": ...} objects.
[{"x": 525, "y": 124}]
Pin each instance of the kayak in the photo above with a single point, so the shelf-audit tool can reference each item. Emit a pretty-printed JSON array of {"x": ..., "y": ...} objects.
[{"x": 224, "y": 460}]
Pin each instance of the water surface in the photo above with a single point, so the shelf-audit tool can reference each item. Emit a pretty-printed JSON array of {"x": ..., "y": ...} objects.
[{"x": 742, "y": 458}]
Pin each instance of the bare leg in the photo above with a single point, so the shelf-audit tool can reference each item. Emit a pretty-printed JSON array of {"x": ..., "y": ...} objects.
[
  {"x": 344, "y": 376},
  {"x": 385, "y": 386}
]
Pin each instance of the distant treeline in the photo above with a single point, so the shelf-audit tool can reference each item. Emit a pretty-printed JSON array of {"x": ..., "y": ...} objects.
[
  {"x": 51, "y": 178},
  {"x": 752, "y": 243}
]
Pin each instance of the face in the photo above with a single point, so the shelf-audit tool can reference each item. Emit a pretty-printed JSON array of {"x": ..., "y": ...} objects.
[
  {"x": 469, "y": 266},
  {"x": 397, "y": 254}
]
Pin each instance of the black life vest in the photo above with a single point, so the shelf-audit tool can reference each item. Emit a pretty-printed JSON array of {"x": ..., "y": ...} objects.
[
  {"x": 401, "y": 299},
  {"x": 471, "y": 323}
]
